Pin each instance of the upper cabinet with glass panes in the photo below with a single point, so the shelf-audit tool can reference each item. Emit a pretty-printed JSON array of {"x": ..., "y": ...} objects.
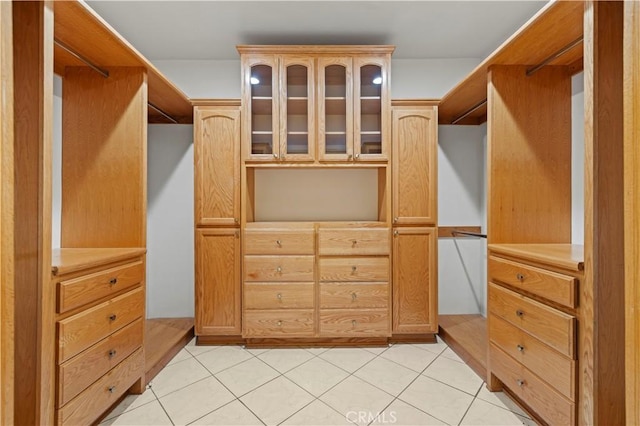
[{"x": 316, "y": 103}]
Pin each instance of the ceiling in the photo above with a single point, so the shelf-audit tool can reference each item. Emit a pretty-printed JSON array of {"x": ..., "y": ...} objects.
[{"x": 210, "y": 30}]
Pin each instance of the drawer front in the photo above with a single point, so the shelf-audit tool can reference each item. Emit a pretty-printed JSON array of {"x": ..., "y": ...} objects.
[
  {"x": 358, "y": 323},
  {"x": 547, "y": 403},
  {"x": 360, "y": 295},
  {"x": 278, "y": 296},
  {"x": 557, "y": 370},
  {"x": 78, "y": 373},
  {"x": 550, "y": 285},
  {"x": 549, "y": 325},
  {"x": 287, "y": 323},
  {"x": 279, "y": 241},
  {"x": 350, "y": 242},
  {"x": 82, "y": 330},
  {"x": 91, "y": 404},
  {"x": 86, "y": 289},
  {"x": 279, "y": 268},
  {"x": 354, "y": 269}
]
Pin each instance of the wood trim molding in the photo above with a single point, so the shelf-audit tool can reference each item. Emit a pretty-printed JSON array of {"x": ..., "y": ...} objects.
[
  {"x": 216, "y": 102},
  {"x": 418, "y": 103},
  {"x": 302, "y": 49}
]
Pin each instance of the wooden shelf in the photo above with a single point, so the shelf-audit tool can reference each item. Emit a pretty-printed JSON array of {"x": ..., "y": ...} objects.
[
  {"x": 566, "y": 256},
  {"x": 297, "y": 106},
  {"x": 553, "y": 28},
  {"x": 67, "y": 260},
  {"x": 81, "y": 29},
  {"x": 466, "y": 335},
  {"x": 370, "y": 105},
  {"x": 164, "y": 338}
]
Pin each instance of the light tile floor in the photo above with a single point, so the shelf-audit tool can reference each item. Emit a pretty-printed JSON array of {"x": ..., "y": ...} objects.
[{"x": 403, "y": 384}]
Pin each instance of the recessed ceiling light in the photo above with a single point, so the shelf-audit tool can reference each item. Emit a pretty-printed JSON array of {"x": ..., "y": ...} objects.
[
  {"x": 377, "y": 80},
  {"x": 254, "y": 80}
]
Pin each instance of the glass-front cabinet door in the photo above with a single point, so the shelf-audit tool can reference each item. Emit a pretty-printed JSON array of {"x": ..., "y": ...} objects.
[
  {"x": 297, "y": 122},
  {"x": 371, "y": 109},
  {"x": 262, "y": 132},
  {"x": 335, "y": 109}
]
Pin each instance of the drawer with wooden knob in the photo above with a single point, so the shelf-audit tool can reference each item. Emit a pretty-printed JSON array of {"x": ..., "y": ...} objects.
[
  {"x": 285, "y": 323},
  {"x": 76, "y": 292},
  {"x": 78, "y": 332},
  {"x": 85, "y": 408},
  {"x": 279, "y": 241},
  {"x": 549, "y": 285},
  {"x": 336, "y": 269},
  {"x": 354, "y": 295},
  {"x": 278, "y": 268},
  {"x": 79, "y": 372},
  {"x": 542, "y": 398},
  {"x": 355, "y": 323},
  {"x": 353, "y": 241},
  {"x": 278, "y": 296},
  {"x": 556, "y": 369},
  {"x": 551, "y": 326}
]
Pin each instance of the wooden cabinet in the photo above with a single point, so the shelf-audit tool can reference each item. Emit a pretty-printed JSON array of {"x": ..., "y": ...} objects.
[
  {"x": 217, "y": 165},
  {"x": 217, "y": 282},
  {"x": 415, "y": 281}
]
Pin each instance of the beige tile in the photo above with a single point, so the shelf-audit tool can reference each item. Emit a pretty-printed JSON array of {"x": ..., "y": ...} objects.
[
  {"x": 349, "y": 359},
  {"x": 354, "y": 395},
  {"x": 184, "y": 354},
  {"x": 409, "y": 356},
  {"x": 436, "y": 348},
  {"x": 150, "y": 414},
  {"x": 376, "y": 349},
  {"x": 482, "y": 413},
  {"x": 232, "y": 414},
  {"x": 197, "y": 350},
  {"x": 247, "y": 376},
  {"x": 450, "y": 354},
  {"x": 196, "y": 400},
  {"x": 455, "y": 374},
  {"x": 256, "y": 351},
  {"x": 177, "y": 376},
  {"x": 317, "y": 376},
  {"x": 276, "y": 400},
  {"x": 223, "y": 357},
  {"x": 317, "y": 351},
  {"x": 285, "y": 359},
  {"x": 316, "y": 414},
  {"x": 386, "y": 375},
  {"x": 400, "y": 413},
  {"x": 501, "y": 400},
  {"x": 437, "y": 399},
  {"x": 131, "y": 402}
]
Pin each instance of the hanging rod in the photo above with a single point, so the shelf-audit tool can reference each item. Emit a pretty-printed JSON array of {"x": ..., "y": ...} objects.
[
  {"x": 93, "y": 66},
  {"x": 470, "y": 111},
  {"x": 162, "y": 113},
  {"x": 555, "y": 56},
  {"x": 470, "y": 234}
]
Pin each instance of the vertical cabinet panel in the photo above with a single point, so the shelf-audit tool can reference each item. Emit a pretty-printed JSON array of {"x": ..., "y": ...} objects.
[
  {"x": 218, "y": 276},
  {"x": 217, "y": 165},
  {"x": 415, "y": 295},
  {"x": 414, "y": 141}
]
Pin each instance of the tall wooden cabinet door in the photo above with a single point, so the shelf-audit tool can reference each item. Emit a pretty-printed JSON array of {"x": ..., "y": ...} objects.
[
  {"x": 217, "y": 166},
  {"x": 218, "y": 281},
  {"x": 414, "y": 159},
  {"x": 415, "y": 280}
]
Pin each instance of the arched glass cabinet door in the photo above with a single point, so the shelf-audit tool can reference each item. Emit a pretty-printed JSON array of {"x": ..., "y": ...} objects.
[
  {"x": 297, "y": 137},
  {"x": 335, "y": 109},
  {"x": 261, "y": 134}
]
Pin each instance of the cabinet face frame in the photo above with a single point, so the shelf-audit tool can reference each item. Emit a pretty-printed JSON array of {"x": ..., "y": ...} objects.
[
  {"x": 226, "y": 151},
  {"x": 248, "y": 62},
  {"x": 286, "y": 61}
]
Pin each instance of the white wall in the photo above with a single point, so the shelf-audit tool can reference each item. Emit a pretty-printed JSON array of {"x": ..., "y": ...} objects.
[{"x": 577, "y": 159}]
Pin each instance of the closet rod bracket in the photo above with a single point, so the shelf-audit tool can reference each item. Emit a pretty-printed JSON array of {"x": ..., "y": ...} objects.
[
  {"x": 162, "y": 113},
  {"x": 556, "y": 55},
  {"x": 75, "y": 54},
  {"x": 470, "y": 111}
]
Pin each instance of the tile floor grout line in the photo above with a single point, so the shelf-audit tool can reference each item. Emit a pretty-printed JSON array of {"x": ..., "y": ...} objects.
[
  {"x": 451, "y": 386},
  {"x": 467, "y": 411},
  {"x": 293, "y": 414},
  {"x": 162, "y": 406},
  {"x": 206, "y": 414},
  {"x": 183, "y": 387}
]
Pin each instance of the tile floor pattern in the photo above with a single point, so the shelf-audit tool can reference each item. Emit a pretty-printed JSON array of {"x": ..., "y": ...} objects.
[{"x": 403, "y": 384}]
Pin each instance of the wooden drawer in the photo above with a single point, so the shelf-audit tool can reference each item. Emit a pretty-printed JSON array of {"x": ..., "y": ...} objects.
[
  {"x": 549, "y": 325},
  {"x": 353, "y": 241},
  {"x": 82, "y": 330},
  {"x": 354, "y": 269},
  {"x": 278, "y": 268},
  {"x": 279, "y": 241},
  {"x": 286, "y": 323},
  {"x": 278, "y": 296},
  {"x": 542, "y": 398},
  {"x": 557, "y": 370},
  {"x": 550, "y": 285},
  {"x": 91, "y": 404},
  {"x": 79, "y": 372},
  {"x": 347, "y": 295},
  {"x": 80, "y": 291},
  {"x": 354, "y": 322}
]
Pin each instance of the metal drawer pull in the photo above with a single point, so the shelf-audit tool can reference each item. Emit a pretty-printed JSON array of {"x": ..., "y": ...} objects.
[
  {"x": 112, "y": 353},
  {"x": 113, "y": 281},
  {"x": 354, "y": 268},
  {"x": 357, "y": 156},
  {"x": 520, "y": 348},
  {"x": 279, "y": 323},
  {"x": 520, "y": 382},
  {"x": 112, "y": 317},
  {"x": 354, "y": 242},
  {"x": 520, "y": 277},
  {"x": 279, "y": 243},
  {"x": 353, "y": 323},
  {"x": 275, "y": 156},
  {"x": 353, "y": 296},
  {"x": 279, "y": 296},
  {"x": 111, "y": 389},
  {"x": 279, "y": 269},
  {"x": 396, "y": 233},
  {"x": 519, "y": 313},
  {"x": 395, "y": 220}
]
